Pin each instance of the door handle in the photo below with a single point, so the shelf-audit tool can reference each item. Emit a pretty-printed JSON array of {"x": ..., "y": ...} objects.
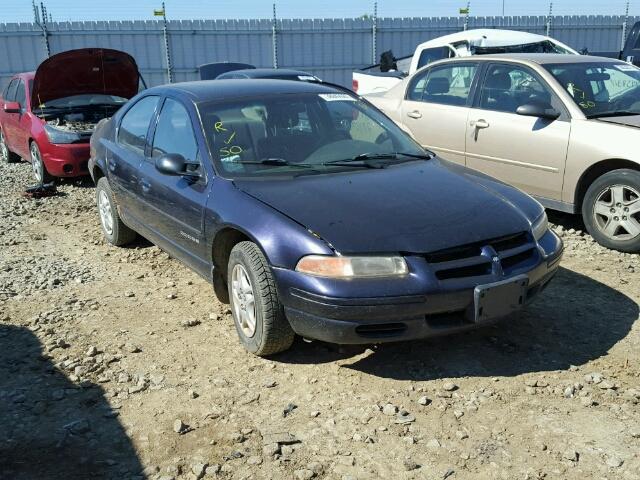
[
  {"x": 481, "y": 123},
  {"x": 146, "y": 186},
  {"x": 414, "y": 114}
]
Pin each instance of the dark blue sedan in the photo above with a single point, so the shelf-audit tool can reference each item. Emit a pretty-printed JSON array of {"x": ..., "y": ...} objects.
[{"x": 313, "y": 214}]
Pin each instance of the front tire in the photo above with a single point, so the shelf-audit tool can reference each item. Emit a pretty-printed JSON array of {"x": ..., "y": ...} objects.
[
  {"x": 611, "y": 210},
  {"x": 257, "y": 312},
  {"x": 113, "y": 228},
  {"x": 6, "y": 155},
  {"x": 40, "y": 172}
]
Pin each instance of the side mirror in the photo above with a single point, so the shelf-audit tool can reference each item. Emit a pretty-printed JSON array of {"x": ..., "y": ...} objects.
[
  {"x": 538, "y": 109},
  {"x": 12, "y": 107},
  {"x": 174, "y": 164}
]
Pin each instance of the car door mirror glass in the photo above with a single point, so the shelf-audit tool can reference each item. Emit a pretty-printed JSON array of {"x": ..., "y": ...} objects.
[
  {"x": 538, "y": 109},
  {"x": 12, "y": 107}
]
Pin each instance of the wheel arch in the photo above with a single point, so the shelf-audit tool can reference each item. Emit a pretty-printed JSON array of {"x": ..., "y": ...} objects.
[
  {"x": 225, "y": 239},
  {"x": 597, "y": 170}
]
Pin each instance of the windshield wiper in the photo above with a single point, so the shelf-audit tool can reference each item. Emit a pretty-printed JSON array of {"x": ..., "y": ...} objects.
[
  {"x": 272, "y": 162},
  {"x": 364, "y": 159},
  {"x": 621, "y": 113}
]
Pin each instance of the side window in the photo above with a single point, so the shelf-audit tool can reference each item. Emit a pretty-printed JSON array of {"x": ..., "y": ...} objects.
[
  {"x": 450, "y": 84},
  {"x": 174, "y": 133},
  {"x": 506, "y": 87},
  {"x": 429, "y": 55},
  {"x": 135, "y": 124},
  {"x": 21, "y": 96},
  {"x": 10, "y": 92},
  {"x": 416, "y": 87}
]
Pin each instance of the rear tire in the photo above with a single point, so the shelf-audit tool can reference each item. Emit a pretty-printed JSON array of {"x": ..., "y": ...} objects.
[
  {"x": 40, "y": 172},
  {"x": 113, "y": 228},
  {"x": 6, "y": 155},
  {"x": 611, "y": 210},
  {"x": 257, "y": 312}
]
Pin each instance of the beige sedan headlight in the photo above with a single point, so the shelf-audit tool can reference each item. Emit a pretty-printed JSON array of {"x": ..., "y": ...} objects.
[{"x": 352, "y": 267}]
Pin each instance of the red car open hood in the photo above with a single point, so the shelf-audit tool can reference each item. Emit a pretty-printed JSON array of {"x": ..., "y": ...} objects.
[{"x": 84, "y": 71}]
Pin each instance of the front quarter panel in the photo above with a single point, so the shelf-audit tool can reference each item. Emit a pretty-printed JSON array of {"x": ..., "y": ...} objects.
[
  {"x": 282, "y": 240},
  {"x": 593, "y": 141}
]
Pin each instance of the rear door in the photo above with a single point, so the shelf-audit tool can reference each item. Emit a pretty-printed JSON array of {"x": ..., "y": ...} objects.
[
  {"x": 175, "y": 204},
  {"x": 9, "y": 120},
  {"x": 527, "y": 152},
  {"x": 126, "y": 154},
  {"x": 22, "y": 123},
  {"x": 436, "y": 106}
]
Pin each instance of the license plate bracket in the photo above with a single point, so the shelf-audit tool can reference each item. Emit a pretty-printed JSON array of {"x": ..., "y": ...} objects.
[{"x": 499, "y": 299}]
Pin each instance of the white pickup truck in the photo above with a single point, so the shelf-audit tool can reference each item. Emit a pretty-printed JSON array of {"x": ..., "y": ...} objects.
[{"x": 480, "y": 41}]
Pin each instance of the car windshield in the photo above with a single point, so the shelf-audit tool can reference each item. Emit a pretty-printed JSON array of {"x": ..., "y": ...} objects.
[
  {"x": 545, "y": 46},
  {"x": 600, "y": 89},
  {"x": 85, "y": 100},
  {"x": 307, "y": 133}
]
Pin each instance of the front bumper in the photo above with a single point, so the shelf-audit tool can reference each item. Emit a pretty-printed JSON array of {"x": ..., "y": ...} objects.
[
  {"x": 66, "y": 160},
  {"x": 437, "y": 310}
]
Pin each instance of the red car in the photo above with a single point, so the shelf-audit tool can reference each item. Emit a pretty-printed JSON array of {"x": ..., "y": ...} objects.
[{"x": 47, "y": 117}]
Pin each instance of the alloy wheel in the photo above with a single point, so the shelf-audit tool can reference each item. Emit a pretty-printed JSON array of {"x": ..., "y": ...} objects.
[
  {"x": 106, "y": 216},
  {"x": 243, "y": 298},
  {"x": 4, "y": 150},
  {"x": 36, "y": 164},
  {"x": 616, "y": 212}
]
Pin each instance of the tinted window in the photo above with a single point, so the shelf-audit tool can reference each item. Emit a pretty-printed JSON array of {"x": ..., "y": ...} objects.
[
  {"x": 299, "y": 134},
  {"x": 429, "y": 55},
  {"x": 10, "y": 92},
  {"x": 174, "y": 133},
  {"x": 135, "y": 124},
  {"x": 506, "y": 87},
  {"x": 449, "y": 85},
  {"x": 21, "y": 94}
]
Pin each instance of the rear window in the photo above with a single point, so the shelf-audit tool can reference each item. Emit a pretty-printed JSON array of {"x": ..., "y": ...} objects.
[{"x": 429, "y": 55}]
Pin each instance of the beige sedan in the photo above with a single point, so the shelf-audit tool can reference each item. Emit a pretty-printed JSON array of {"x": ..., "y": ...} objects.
[{"x": 563, "y": 128}]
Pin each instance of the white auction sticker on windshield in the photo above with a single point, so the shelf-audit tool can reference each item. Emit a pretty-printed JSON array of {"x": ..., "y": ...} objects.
[
  {"x": 336, "y": 97},
  {"x": 626, "y": 68}
]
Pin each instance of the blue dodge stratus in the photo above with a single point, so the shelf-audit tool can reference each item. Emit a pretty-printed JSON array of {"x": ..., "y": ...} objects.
[{"x": 313, "y": 214}]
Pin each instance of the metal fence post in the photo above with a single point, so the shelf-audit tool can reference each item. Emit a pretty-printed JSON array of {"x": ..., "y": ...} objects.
[
  {"x": 623, "y": 40},
  {"x": 374, "y": 34},
  {"x": 466, "y": 16},
  {"x": 45, "y": 31},
  {"x": 274, "y": 37},
  {"x": 549, "y": 19},
  {"x": 167, "y": 50}
]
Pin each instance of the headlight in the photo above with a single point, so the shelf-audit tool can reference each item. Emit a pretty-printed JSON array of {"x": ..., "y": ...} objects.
[
  {"x": 61, "y": 136},
  {"x": 540, "y": 226},
  {"x": 352, "y": 267}
]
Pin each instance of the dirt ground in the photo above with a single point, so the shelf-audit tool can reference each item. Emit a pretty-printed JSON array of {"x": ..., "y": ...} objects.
[{"x": 120, "y": 364}]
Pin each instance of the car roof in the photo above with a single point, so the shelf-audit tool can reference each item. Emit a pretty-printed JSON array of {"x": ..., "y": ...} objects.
[
  {"x": 267, "y": 72},
  {"x": 539, "y": 58},
  {"x": 487, "y": 37},
  {"x": 212, "y": 90}
]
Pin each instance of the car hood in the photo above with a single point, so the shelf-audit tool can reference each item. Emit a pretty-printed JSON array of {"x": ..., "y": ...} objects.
[
  {"x": 85, "y": 71},
  {"x": 629, "y": 121},
  {"x": 415, "y": 207}
]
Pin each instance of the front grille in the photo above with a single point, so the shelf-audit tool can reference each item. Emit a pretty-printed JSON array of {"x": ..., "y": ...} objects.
[{"x": 498, "y": 256}]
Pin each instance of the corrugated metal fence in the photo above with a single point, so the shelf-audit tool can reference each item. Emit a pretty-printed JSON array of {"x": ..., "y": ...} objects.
[{"x": 329, "y": 48}]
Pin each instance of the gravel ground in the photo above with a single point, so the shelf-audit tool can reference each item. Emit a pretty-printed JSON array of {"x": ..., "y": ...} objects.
[{"x": 120, "y": 364}]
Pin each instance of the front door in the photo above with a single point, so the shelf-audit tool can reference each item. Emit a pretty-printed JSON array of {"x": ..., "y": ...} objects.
[
  {"x": 436, "y": 107},
  {"x": 175, "y": 204},
  {"x": 527, "y": 152},
  {"x": 126, "y": 155}
]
